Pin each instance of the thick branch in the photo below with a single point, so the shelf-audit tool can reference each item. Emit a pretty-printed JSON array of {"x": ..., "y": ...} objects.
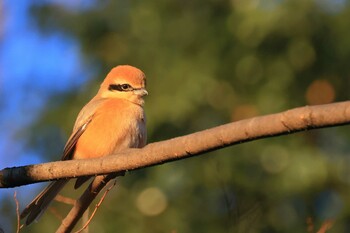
[{"x": 291, "y": 121}]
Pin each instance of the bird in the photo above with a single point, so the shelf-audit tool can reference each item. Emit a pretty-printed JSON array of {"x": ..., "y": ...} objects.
[{"x": 112, "y": 121}]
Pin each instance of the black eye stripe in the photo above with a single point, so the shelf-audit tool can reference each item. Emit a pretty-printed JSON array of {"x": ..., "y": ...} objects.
[{"x": 120, "y": 87}]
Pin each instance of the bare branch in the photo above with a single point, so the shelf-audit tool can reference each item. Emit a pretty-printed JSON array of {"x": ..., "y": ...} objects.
[
  {"x": 291, "y": 121},
  {"x": 83, "y": 203},
  {"x": 96, "y": 207}
]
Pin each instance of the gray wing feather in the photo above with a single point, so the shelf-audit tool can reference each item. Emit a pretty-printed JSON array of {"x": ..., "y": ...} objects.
[{"x": 84, "y": 118}]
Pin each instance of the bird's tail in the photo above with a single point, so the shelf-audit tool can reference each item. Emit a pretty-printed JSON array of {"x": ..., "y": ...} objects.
[{"x": 40, "y": 203}]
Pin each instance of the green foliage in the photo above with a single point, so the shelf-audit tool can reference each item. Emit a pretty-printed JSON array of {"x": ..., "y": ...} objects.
[{"x": 208, "y": 63}]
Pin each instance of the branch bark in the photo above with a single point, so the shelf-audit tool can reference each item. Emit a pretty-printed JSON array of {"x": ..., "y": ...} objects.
[{"x": 291, "y": 121}]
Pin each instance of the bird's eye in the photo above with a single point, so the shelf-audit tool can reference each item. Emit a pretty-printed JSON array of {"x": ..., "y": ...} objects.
[
  {"x": 120, "y": 87},
  {"x": 125, "y": 87}
]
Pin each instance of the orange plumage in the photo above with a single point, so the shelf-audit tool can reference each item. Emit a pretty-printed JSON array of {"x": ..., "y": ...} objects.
[
  {"x": 112, "y": 121},
  {"x": 96, "y": 141}
]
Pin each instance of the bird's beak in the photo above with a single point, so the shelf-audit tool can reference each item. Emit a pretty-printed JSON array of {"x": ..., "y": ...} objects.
[{"x": 141, "y": 92}]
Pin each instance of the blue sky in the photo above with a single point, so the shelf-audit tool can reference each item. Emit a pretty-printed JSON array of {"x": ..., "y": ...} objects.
[{"x": 33, "y": 67}]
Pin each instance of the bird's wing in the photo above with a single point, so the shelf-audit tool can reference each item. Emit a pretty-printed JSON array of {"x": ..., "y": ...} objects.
[
  {"x": 84, "y": 118},
  {"x": 72, "y": 141}
]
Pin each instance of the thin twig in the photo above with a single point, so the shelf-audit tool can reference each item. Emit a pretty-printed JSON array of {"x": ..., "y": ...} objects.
[
  {"x": 83, "y": 202},
  {"x": 97, "y": 206},
  {"x": 309, "y": 225},
  {"x": 65, "y": 200},
  {"x": 326, "y": 225},
  {"x": 61, "y": 199},
  {"x": 17, "y": 213},
  {"x": 56, "y": 213},
  {"x": 85, "y": 218}
]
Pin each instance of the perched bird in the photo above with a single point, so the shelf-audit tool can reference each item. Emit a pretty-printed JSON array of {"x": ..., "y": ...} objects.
[{"x": 112, "y": 121}]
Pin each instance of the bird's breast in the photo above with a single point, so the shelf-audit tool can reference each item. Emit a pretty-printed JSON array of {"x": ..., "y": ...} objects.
[{"x": 115, "y": 126}]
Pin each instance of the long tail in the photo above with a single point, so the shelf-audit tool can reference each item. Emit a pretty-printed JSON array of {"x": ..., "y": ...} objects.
[{"x": 40, "y": 203}]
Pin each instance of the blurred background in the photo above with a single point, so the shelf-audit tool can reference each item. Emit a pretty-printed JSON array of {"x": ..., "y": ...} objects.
[{"x": 207, "y": 63}]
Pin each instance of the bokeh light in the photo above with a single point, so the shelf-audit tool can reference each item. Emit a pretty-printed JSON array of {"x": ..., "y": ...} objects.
[
  {"x": 151, "y": 201},
  {"x": 320, "y": 91}
]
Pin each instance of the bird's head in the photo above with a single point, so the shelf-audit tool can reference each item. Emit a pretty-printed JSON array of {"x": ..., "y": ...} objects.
[{"x": 124, "y": 82}]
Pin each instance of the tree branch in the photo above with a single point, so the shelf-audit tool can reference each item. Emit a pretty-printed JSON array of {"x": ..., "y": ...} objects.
[
  {"x": 291, "y": 121},
  {"x": 72, "y": 218}
]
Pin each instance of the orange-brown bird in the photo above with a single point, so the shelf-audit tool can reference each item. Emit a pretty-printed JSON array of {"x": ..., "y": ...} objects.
[{"x": 112, "y": 121}]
